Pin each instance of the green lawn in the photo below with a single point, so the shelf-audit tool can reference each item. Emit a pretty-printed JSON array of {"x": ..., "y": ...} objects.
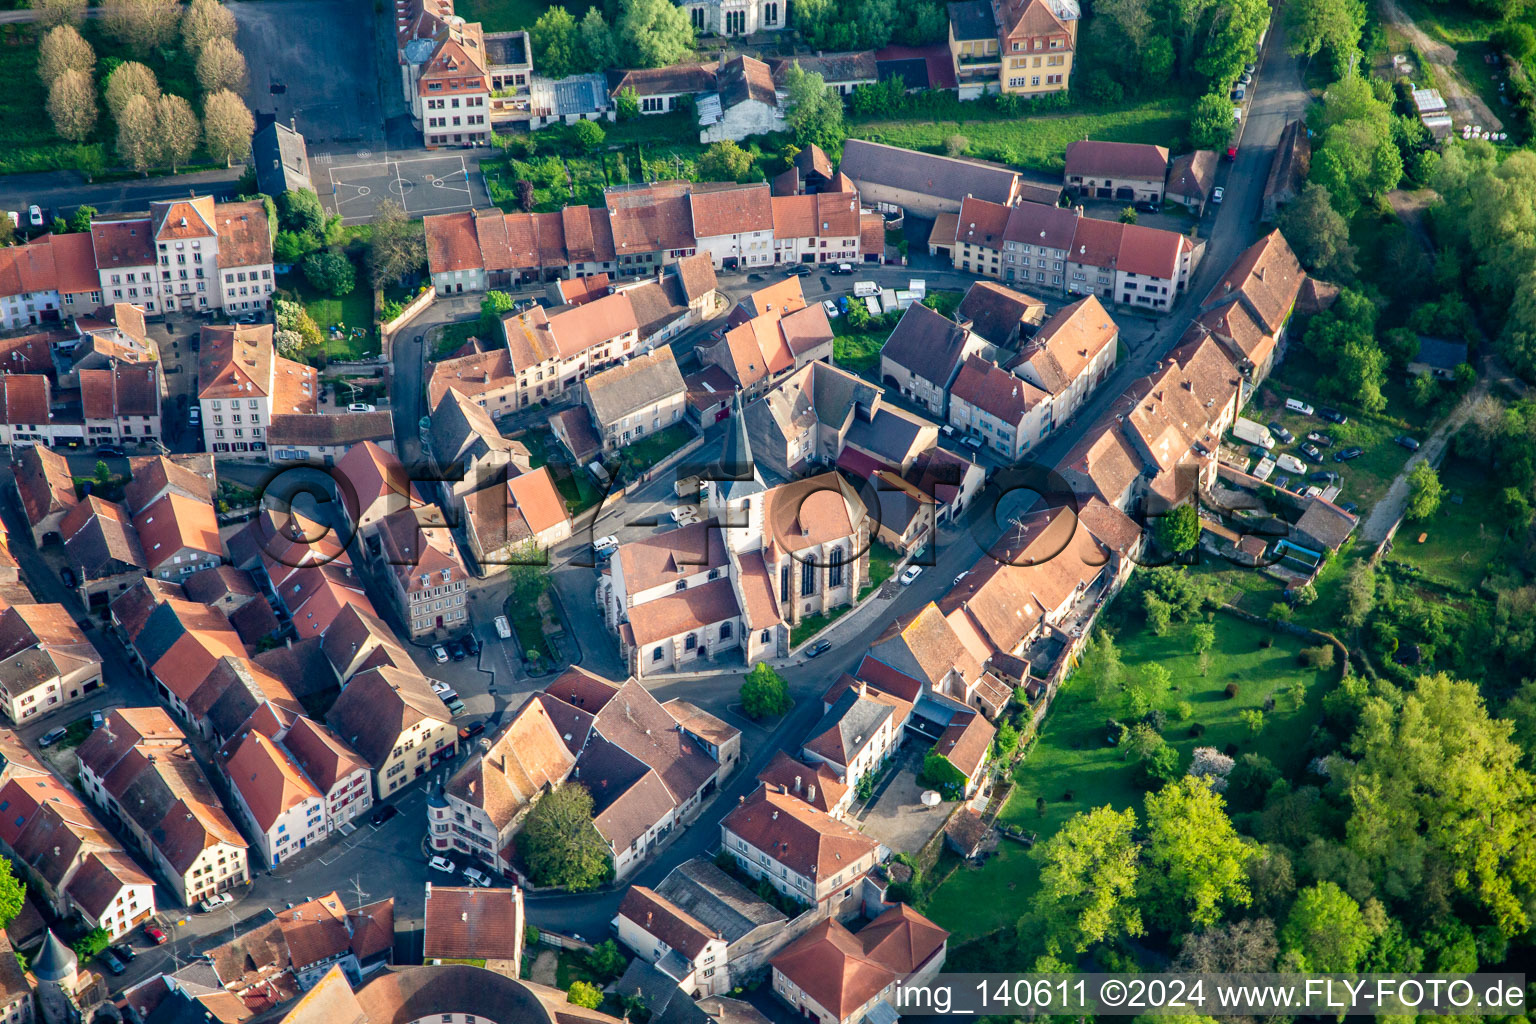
[
  {"x": 652, "y": 448},
  {"x": 353, "y": 310},
  {"x": 1449, "y": 23},
  {"x": 857, "y": 351},
  {"x": 1075, "y": 770},
  {"x": 1037, "y": 142},
  {"x": 505, "y": 15},
  {"x": 813, "y": 624},
  {"x": 882, "y": 566},
  {"x": 451, "y": 337},
  {"x": 1460, "y": 540}
]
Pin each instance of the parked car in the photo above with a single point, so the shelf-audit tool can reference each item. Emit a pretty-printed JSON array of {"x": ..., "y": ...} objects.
[
  {"x": 1238, "y": 95},
  {"x": 1311, "y": 452},
  {"x": 455, "y": 650},
  {"x": 1321, "y": 440},
  {"x": 1410, "y": 443},
  {"x": 124, "y": 951},
  {"x": 477, "y": 877},
  {"x": 215, "y": 901},
  {"x": 1350, "y": 507},
  {"x": 1218, "y": 194},
  {"x": 471, "y": 645},
  {"x": 455, "y": 706},
  {"x": 503, "y": 627},
  {"x": 912, "y": 573},
  {"x": 98, "y": 719},
  {"x": 155, "y": 934},
  {"x": 470, "y": 731},
  {"x": 439, "y": 655},
  {"x": 111, "y": 959},
  {"x": 1324, "y": 476},
  {"x": 67, "y": 577},
  {"x": 383, "y": 813},
  {"x": 1332, "y": 415},
  {"x": 1148, "y": 206},
  {"x": 1246, "y": 79},
  {"x": 962, "y": 576},
  {"x": 441, "y": 864},
  {"x": 1250, "y": 68},
  {"x": 971, "y": 441},
  {"x": 841, "y": 268},
  {"x": 609, "y": 541},
  {"x": 1284, "y": 436},
  {"x": 362, "y": 407},
  {"x": 35, "y": 215},
  {"x": 1345, "y": 454},
  {"x": 109, "y": 449},
  {"x": 439, "y": 687},
  {"x": 51, "y": 737},
  {"x": 831, "y": 308},
  {"x": 818, "y": 648}
]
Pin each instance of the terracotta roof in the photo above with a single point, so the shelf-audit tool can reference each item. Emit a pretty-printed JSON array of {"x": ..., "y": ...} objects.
[
  {"x": 982, "y": 223},
  {"x": 123, "y": 390},
  {"x": 152, "y": 475},
  {"x": 1267, "y": 278},
  {"x": 759, "y": 606},
  {"x": 966, "y": 743},
  {"x": 268, "y": 779},
  {"x": 534, "y": 337},
  {"x": 647, "y": 218},
  {"x": 245, "y": 234},
  {"x": 576, "y": 290},
  {"x": 236, "y": 361},
  {"x": 470, "y": 923},
  {"x": 124, "y": 243},
  {"x": 184, "y": 218},
  {"x": 662, "y": 558},
  {"x": 43, "y": 481},
  {"x": 451, "y": 243},
  {"x": 30, "y": 353},
  {"x": 26, "y": 399},
  {"x": 173, "y": 524},
  {"x": 1066, "y": 343},
  {"x": 580, "y": 688},
  {"x": 995, "y": 391},
  {"x": 1136, "y": 160},
  {"x": 537, "y": 500},
  {"x": 1193, "y": 174},
  {"x": 921, "y": 646},
  {"x": 678, "y": 613},
  {"x": 731, "y": 209},
  {"x": 74, "y": 261},
  {"x": 658, "y": 917},
  {"x": 813, "y": 511},
  {"x": 842, "y": 971},
  {"x": 472, "y": 375},
  {"x": 696, "y": 274},
  {"x": 808, "y": 842},
  {"x": 746, "y": 78},
  {"x": 668, "y": 81},
  {"x": 815, "y": 783},
  {"x": 378, "y": 705},
  {"x": 1037, "y": 18},
  {"x": 99, "y": 538},
  {"x": 525, "y": 757}
]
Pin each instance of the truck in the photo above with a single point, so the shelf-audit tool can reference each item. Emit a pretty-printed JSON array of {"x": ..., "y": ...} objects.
[
  {"x": 1291, "y": 464},
  {"x": 865, "y": 288},
  {"x": 1253, "y": 433},
  {"x": 917, "y": 286}
]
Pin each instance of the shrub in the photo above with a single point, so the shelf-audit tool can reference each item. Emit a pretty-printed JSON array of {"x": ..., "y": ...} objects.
[
  {"x": 585, "y": 994},
  {"x": 1320, "y": 657},
  {"x": 1196, "y": 731},
  {"x": 1231, "y": 691}
]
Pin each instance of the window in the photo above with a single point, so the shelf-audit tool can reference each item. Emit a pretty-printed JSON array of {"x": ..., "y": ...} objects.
[
  {"x": 657, "y": 654},
  {"x": 690, "y": 642},
  {"x": 835, "y": 568},
  {"x": 725, "y": 631},
  {"x": 808, "y": 581}
]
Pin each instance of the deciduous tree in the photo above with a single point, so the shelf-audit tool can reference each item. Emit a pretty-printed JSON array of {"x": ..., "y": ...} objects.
[
  {"x": 138, "y": 143},
  {"x": 764, "y": 693},
  {"x": 72, "y": 106},
  {"x": 1423, "y": 491},
  {"x": 398, "y": 247},
  {"x": 127, "y": 81},
  {"x": 330, "y": 272},
  {"x": 1089, "y": 880},
  {"x": 205, "y": 20},
  {"x": 221, "y": 65},
  {"x": 60, "y": 12},
  {"x": 63, "y": 49},
  {"x": 554, "y": 40},
  {"x": 596, "y": 38},
  {"x": 177, "y": 131},
  {"x": 1325, "y": 930},
  {"x": 1198, "y": 862},
  {"x": 559, "y": 844},
  {"x": 724, "y": 161},
  {"x": 815, "y": 112},
  {"x": 1210, "y": 123},
  {"x": 1317, "y": 233},
  {"x": 300, "y": 210},
  {"x": 141, "y": 25},
  {"x": 1329, "y": 27},
  {"x": 227, "y": 125},
  {"x": 656, "y": 32},
  {"x": 1179, "y": 530}
]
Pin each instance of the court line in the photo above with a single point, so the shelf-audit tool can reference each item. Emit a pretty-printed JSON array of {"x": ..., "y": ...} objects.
[
  {"x": 401, "y": 180},
  {"x": 413, "y": 160}
]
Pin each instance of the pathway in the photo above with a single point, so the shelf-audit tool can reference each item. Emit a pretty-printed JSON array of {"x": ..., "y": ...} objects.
[{"x": 1465, "y": 105}]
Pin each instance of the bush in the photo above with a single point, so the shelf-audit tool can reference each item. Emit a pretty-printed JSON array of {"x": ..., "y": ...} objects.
[
  {"x": 330, "y": 272},
  {"x": 91, "y": 943},
  {"x": 585, "y": 995},
  {"x": 531, "y": 936},
  {"x": 1231, "y": 691},
  {"x": 1320, "y": 657},
  {"x": 1197, "y": 730},
  {"x": 607, "y": 961}
]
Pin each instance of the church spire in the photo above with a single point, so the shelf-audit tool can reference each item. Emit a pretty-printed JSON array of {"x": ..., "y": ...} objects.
[{"x": 736, "y": 457}]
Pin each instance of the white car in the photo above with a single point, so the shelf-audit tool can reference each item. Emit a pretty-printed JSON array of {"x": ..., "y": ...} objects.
[
  {"x": 439, "y": 654},
  {"x": 972, "y": 441},
  {"x": 831, "y": 308},
  {"x": 194, "y": 416},
  {"x": 503, "y": 627},
  {"x": 215, "y": 901},
  {"x": 609, "y": 541},
  {"x": 477, "y": 877},
  {"x": 362, "y": 407},
  {"x": 439, "y": 687},
  {"x": 684, "y": 512},
  {"x": 688, "y": 520},
  {"x": 35, "y": 215},
  {"x": 962, "y": 576},
  {"x": 441, "y": 864},
  {"x": 912, "y": 573},
  {"x": 1218, "y": 194}
]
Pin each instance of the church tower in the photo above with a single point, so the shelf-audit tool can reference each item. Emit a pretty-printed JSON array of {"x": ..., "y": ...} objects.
[
  {"x": 735, "y": 488},
  {"x": 56, "y": 970}
]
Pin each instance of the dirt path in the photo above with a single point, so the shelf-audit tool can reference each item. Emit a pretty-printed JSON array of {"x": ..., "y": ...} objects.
[{"x": 1465, "y": 105}]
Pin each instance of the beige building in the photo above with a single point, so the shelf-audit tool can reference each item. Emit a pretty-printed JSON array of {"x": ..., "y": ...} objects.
[
  {"x": 833, "y": 976},
  {"x": 642, "y": 396},
  {"x": 46, "y": 661},
  {"x": 551, "y": 353},
  {"x": 396, "y": 723},
  {"x": 802, "y": 852},
  {"x": 428, "y": 581},
  {"x": 241, "y": 383}
]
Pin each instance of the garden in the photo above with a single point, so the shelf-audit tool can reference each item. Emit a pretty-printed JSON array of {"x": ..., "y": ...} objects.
[{"x": 1248, "y": 693}]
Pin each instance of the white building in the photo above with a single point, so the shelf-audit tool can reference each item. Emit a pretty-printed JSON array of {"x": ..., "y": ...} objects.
[
  {"x": 280, "y": 807},
  {"x": 241, "y": 383}
]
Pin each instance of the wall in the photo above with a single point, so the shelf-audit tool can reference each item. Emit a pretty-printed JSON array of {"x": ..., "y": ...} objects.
[{"x": 412, "y": 309}]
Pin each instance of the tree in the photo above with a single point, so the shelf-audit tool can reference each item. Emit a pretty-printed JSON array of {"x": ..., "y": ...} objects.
[
  {"x": 1438, "y": 792},
  {"x": 1127, "y": 215},
  {"x": 91, "y": 943},
  {"x": 1088, "y": 881},
  {"x": 588, "y": 135},
  {"x": 300, "y": 210},
  {"x": 1330, "y": 27},
  {"x": 627, "y": 103},
  {"x": 330, "y": 272},
  {"x": 1252, "y": 719},
  {"x": 493, "y": 307},
  {"x": 13, "y": 892},
  {"x": 1210, "y": 124},
  {"x": 815, "y": 112},
  {"x": 1423, "y": 491},
  {"x": 585, "y": 994},
  {"x": 1198, "y": 861},
  {"x": 554, "y": 42},
  {"x": 1317, "y": 233},
  {"x": 289, "y": 343},
  {"x": 203, "y": 22},
  {"x": 398, "y": 247},
  {"x": 525, "y": 197},
  {"x": 52, "y": 13},
  {"x": 80, "y": 220},
  {"x": 103, "y": 472},
  {"x": 221, "y": 65},
  {"x": 1149, "y": 691},
  {"x": 724, "y": 161},
  {"x": 1179, "y": 530},
  {"x": 293, "y": 246},
  {"x": 764, "y": 693},
  {"x": 141, "y": 25},
  {"x": 1237, "y": 947},
  {"x": 596, "y": 40},
  {"x": 176, "y": 130},
  {"x": 1325, "y": 930},
  {"x": 137, "y": 141},
  {"x": 956, "y": 145},
  {"x": 63, "y": 49},
  {"x": 227, "y": 124},
  {"x": 559, "y": 844},
  {"x": 126, "y": 81},
  {"x": 72, "y": 106},
  {"x": 656, "y": 32},
  {"x": 1202, "y": 637},
  {"x": 606, "y": 960}
]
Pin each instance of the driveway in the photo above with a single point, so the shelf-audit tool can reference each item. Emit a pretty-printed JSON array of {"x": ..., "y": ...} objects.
[{"x": 333, "y": 93}]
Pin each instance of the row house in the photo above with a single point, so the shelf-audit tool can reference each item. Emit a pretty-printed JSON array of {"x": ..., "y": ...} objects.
[
  {"x": 770, "y": 334},
  {"x": 61, "y": 850},
  {"x": 802, "y": 852},
  {"x": 645, "y": 772},
  {"x": 734, "y": 224},
  {"x": 396, "y": 723},
  {"x": 187, "y": 255},
  {"x": 635, "y": 399},
  {"x": 860, "y": 729},
  {"x": 502, "y": 521},
  {"x": 1249, "y": 308},
  {"x": 819, "y": 228},
  {"x": 241, "y": 383},
  {"x": 551, "y": 352},
  {"x": 373, "y": 485},
  {"x": 121, "y": 403},
  {"x": 46, "y": 489},
  {"x": 47, "y": 663},
  {"x": 140, "y": 770},
  {"x": 47, "y": 279},
  {"x": 480, "y": 249},
  {"x": 428, "y": 582},
  {"x": 833, "y": 976},
  {"x": 924, "y": 353},
  {"x": 1122, "y": 171}
]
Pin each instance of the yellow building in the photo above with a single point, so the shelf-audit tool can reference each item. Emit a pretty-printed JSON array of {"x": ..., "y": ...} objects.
[{"x": 1038, "y": 39}]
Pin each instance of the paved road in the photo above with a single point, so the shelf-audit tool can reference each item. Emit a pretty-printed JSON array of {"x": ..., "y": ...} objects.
[{"x": 61, "y": 192}]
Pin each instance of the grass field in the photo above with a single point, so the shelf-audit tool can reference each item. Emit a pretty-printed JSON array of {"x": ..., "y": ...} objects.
[
  {"x": 451, "y": 337},
  {"x": 1075, "y": 770},
  {"x": 505, "y": 15},
  {"x": 1460, "y": 540},
  {"x": 857, "y": 351},
  {"x": 652, "y": 448},
  {"x": 1449, "y": 23},
  {"x": 355, "y": 309},
  {"x": 1037, "y": 143}
]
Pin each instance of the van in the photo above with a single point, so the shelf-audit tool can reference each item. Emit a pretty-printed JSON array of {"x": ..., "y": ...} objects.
[
  {"x": 1297, "y": 405},
  {"x": 503, "y": 627}
]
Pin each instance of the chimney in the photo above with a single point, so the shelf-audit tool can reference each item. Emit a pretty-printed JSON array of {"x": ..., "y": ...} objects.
[
  {"x": 863, "y": 687},
  {"x": 797, "y": 783},
  {"x": 810, "y": 794},
  {"x": 784, "y": 790}
]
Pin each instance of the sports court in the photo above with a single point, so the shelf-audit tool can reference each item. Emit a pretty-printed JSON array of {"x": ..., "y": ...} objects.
[{"x": 422, "y": 185}]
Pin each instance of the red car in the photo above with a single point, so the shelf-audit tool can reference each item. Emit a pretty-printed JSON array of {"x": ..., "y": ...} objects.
[{"x": 154, "y": 935}]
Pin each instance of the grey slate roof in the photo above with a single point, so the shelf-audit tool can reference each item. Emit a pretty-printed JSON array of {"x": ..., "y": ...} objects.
[
  {"x": 717, "y": 900},
  {"x": 928, "y": 344},
  {"x": 736, "y": 472},
  {"x": 941, "y": 176},
  {"x": 624, "y": 390},
  {"x": 280, "y": 159},
  {"x": 972, "y": 20},
  {"x": 847, "y": 726}
]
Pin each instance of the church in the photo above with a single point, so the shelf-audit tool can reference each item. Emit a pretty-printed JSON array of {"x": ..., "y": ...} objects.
[{"x": 759, "y": 561}]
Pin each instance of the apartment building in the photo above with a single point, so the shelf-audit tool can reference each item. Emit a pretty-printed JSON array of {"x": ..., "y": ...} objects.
[
  {"x": 733, "y": 224},
  {"x": 1038, "y": 42},
  {"x": 47, "y": 663},
  {"x": 802, "y": 852},
  {"x": 394, "y": 721},
  {"x": 279, "y": 805},
  {"x": 428, "y": 582},
  {"x": 188, "y": 255},
  {"x": 242, "y": 382}
]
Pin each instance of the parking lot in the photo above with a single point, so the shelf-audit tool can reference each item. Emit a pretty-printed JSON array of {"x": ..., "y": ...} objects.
[{"x": 422, "y": 185}]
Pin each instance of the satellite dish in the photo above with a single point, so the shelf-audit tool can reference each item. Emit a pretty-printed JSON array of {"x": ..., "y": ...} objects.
[{"x": 931, "y": 798}]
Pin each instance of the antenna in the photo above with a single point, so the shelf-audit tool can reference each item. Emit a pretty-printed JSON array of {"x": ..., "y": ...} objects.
[{"x": 357, "y": 890}]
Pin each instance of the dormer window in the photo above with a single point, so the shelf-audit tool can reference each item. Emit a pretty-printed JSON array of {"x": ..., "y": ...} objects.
[
  {"x": 447, "y": 575},
  {"x": 426, "y": 578}
]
